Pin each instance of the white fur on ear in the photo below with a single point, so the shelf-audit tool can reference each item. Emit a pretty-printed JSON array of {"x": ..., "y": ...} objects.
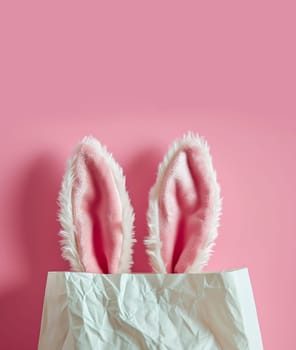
[
  {"x": 65, "y": 216},
  {"x": 69, "y": 242},
  {"x": 154, "y": 241}
]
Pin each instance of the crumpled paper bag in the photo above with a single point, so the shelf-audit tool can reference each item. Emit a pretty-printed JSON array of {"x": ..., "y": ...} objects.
[{"x": 206, "y": 311}]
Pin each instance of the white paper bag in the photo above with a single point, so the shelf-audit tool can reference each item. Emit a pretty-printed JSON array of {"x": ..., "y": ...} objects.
[{"x": 206, "y": 311}]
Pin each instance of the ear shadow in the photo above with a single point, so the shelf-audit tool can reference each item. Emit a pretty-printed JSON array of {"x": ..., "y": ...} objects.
[
  {"x": 140, "y": 177},
  {"x": 36, "y": 210}
]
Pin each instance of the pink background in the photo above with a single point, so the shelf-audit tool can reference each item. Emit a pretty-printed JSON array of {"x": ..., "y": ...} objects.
[{"x": 136, "y": 76}]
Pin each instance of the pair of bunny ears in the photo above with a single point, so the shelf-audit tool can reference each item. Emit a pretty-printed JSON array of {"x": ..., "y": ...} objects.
[{"x": 97, "y": 218}]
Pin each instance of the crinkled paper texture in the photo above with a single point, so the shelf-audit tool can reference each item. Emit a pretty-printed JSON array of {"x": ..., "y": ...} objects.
[{"x": 206, "y": 311}]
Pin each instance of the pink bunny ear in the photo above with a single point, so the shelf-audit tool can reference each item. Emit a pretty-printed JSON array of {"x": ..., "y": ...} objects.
[
  {"x": 95, "y": 212},
  {"x": 184, "y": 209}
]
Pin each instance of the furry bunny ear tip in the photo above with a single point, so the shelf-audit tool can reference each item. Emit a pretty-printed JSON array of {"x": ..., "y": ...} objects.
[
  {"x": 184, "y": 208},
  {"x": 95, "y": 212}
]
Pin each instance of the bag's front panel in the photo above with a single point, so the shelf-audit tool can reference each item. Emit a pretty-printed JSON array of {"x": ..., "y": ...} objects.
[
  {"x": 55, "y": 331},
  {"x": 155, "y": 311}
]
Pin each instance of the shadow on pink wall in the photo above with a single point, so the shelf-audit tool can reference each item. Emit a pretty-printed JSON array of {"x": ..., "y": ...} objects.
[
  {"x": 141, "y": 174},
  {"x": 35, "y": 214}
]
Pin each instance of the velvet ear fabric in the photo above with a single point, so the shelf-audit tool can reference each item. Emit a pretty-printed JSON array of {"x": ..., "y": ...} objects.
[
  {"x": 184, "y": 209},
  {"x": 96, "y": 214},
  {"x": 97, "y": 217}
]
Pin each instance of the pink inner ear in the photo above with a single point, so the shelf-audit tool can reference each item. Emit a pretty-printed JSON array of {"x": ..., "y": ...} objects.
[
  {"x": 183, "y": 199},
  {"x": 97, "y": 212}
]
